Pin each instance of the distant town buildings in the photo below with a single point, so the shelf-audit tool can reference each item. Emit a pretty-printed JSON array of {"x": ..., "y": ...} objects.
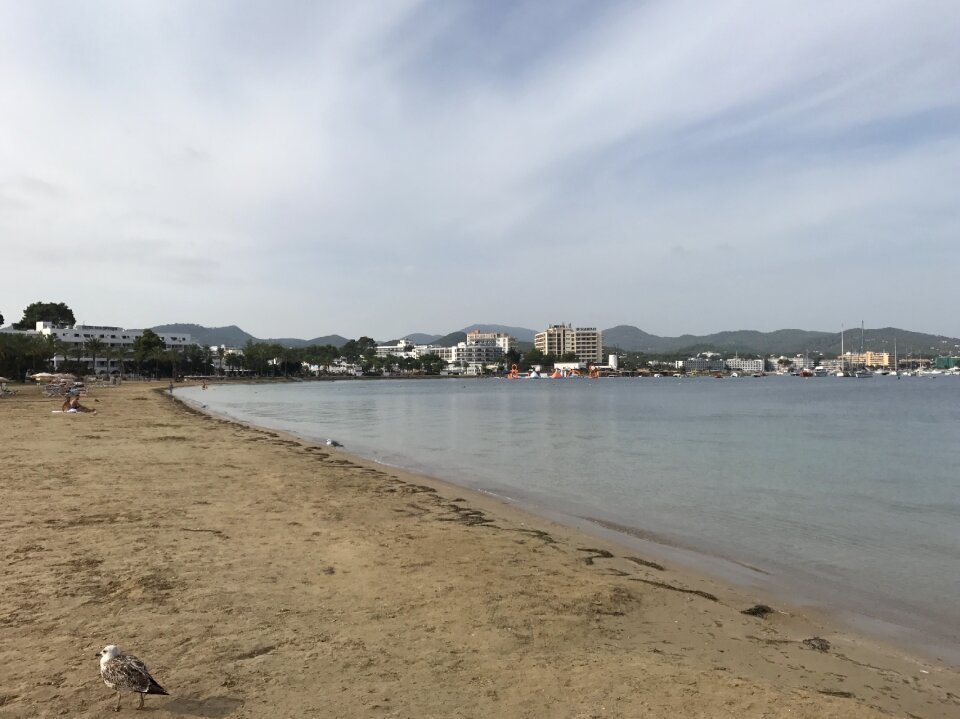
[{"x": 105, "y": 348}]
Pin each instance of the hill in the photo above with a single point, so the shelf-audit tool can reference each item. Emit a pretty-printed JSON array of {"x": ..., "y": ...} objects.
[
  {"x": 451, "y": 340},
  {"x": 521, "y": 333},
  {"x": 628, "y": 338},
  {"x": 420, "y": 338},
  {"x": 233, "y": 336},
  {"x": 785, "y": 342}
]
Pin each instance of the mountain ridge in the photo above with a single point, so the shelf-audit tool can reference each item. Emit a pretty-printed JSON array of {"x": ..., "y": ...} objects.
[{"x": 628, "y": 338}]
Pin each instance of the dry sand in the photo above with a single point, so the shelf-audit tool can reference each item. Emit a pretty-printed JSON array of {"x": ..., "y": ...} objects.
[{"x": 259, "y": 576}]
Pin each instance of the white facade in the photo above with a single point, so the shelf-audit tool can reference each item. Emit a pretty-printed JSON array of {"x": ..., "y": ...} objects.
[
  {"x": 585, "y": 342},
  {"x": 397, "y": 350},
  {"x": 746, "y": 365},
  {"x": 479, "y": 349},
  {"x": 499, "y": 339},
  {"x": 468, "y": 354},
  {"x": 703, "y": 364},
  {"x": 112, "y": 337}
]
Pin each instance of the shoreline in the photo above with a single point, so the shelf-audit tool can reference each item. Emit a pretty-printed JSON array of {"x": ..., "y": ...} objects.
[
  {"x": 771, "y": 587},
  {"x": 256, "y": 572}
]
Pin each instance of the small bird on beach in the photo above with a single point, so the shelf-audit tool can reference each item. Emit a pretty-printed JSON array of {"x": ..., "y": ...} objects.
[
  {"x": 333, "y": 443},
  {"x": 126, "y": 673}
]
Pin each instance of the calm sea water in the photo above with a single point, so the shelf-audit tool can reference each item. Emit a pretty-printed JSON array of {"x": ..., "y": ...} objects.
[{"x": 841, "y": 493}]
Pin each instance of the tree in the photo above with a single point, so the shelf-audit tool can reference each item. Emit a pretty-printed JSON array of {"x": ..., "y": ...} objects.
[
  {"x": 111, "y": 353},
  {"x": 432, "y": 364},
  {"x": 95, "y": 347},
  {"x": 235, "y": 361},
  {"x": 533, "y": 357},
  {"x": 1, "y": 320},
  {"x": 54, "y": 347},
  {"x": 148, "y": 346},
  {"x": 56, "y": 312},
  {"x": 78, "y": 351},
  {"x": 15, "y": 351},
  {"x": 173, "y": 357}
]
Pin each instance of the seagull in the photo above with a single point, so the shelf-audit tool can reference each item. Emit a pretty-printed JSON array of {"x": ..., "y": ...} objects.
[
  {"x": 126, "y": 673},
  {"x": 333, "y": 443}
]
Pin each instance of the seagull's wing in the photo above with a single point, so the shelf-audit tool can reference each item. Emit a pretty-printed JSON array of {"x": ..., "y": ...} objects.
[{"x": 128, "y": 673}]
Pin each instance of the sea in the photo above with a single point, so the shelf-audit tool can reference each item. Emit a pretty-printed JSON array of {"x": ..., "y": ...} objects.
[{"x": 840, "y": 495}]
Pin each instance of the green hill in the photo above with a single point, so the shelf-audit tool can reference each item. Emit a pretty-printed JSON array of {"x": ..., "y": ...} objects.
[
  {"x": 233, "y": 336},
  {"x": 781, "y": 342}
]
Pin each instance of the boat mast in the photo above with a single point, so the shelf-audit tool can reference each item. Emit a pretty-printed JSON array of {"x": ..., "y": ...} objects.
[{"x": 863, "y": 362}]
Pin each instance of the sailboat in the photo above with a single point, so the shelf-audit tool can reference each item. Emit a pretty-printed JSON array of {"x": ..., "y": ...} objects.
[
  {"x": 842, "y": 372},
  {"x": 896, "y": 362},
  {"x": 862, "y": 372}
]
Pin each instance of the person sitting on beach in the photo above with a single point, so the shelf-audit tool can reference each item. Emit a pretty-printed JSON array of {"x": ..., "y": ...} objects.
[{"x": 73, "y": 405}]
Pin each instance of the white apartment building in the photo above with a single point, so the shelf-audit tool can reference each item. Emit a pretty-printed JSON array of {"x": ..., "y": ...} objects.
[
  {"x": 499, "y": 339},
  {"x": 751, "y": 366},
  {"x": 585, "y": 342},
  {"x": 479, "y": 349},
  {"x": 400, "y": 349},
  {"x": 464, "y": 353},
  {"x": 703, "y": 364},
  {"x": 112, "y": 337},
  {"x": 868, "y": 359}
]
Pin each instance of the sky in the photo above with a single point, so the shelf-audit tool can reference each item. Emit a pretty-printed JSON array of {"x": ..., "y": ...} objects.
[{"x": 303, "y": 169}]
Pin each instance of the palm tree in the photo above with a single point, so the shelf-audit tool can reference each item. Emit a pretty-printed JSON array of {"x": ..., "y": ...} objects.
[
  {"x": 123, "y": 354},
  {"x": 114, "y": 353},
  {"x": 78, "y": 351},
  {"x": 95, "y": 347},
  {"x": 221, "y": 351},
  {"x": 157, "y": 354},
  {"x": 237, "y": 361},
  {"x": 173, "y": 357}
]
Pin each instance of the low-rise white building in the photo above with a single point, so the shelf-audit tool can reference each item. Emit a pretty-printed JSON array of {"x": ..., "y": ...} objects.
[
  {"x": 403, "y": 348},
  {"x": 475, "y": 354},
  {"x": 703, "y": 364},
  {"x": 111, "y": 337},
  {"x": 752, "y": 366}
]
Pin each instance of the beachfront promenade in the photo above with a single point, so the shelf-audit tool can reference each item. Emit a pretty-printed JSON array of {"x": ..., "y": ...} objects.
[{"x": 260, "y": 576}]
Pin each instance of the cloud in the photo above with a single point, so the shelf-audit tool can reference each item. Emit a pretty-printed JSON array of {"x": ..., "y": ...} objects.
[{"x": 415, "y": 165}]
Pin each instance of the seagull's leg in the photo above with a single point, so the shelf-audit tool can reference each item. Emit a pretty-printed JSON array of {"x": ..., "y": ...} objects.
[
  {"x": 117, "y": 707},
  {"x": 140, "y": 706}
]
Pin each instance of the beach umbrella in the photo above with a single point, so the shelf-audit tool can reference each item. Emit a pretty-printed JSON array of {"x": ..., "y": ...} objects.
[
  {"x": 42, "y": 376},
  {"x": 4, "y": 380}
]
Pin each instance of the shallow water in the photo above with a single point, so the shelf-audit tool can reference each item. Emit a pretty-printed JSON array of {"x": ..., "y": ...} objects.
[{"x": 844, "y": 492}]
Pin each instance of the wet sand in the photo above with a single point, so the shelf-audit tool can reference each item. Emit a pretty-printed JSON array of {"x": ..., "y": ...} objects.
[{"x": 258, "y": 575}]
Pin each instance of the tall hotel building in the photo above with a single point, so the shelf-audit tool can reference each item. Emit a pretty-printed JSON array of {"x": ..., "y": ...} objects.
[{"x": 585, "y": 342}]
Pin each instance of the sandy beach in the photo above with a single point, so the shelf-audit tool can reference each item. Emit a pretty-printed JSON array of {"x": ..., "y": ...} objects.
[{"x": 258, "y": 575}]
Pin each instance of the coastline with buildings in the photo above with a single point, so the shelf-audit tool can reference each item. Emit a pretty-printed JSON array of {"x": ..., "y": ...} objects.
[{"x": 572, "y": 351}]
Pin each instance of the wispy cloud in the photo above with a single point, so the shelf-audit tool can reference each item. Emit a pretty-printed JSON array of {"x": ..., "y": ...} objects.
[{"x": 303, "y": 168}]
